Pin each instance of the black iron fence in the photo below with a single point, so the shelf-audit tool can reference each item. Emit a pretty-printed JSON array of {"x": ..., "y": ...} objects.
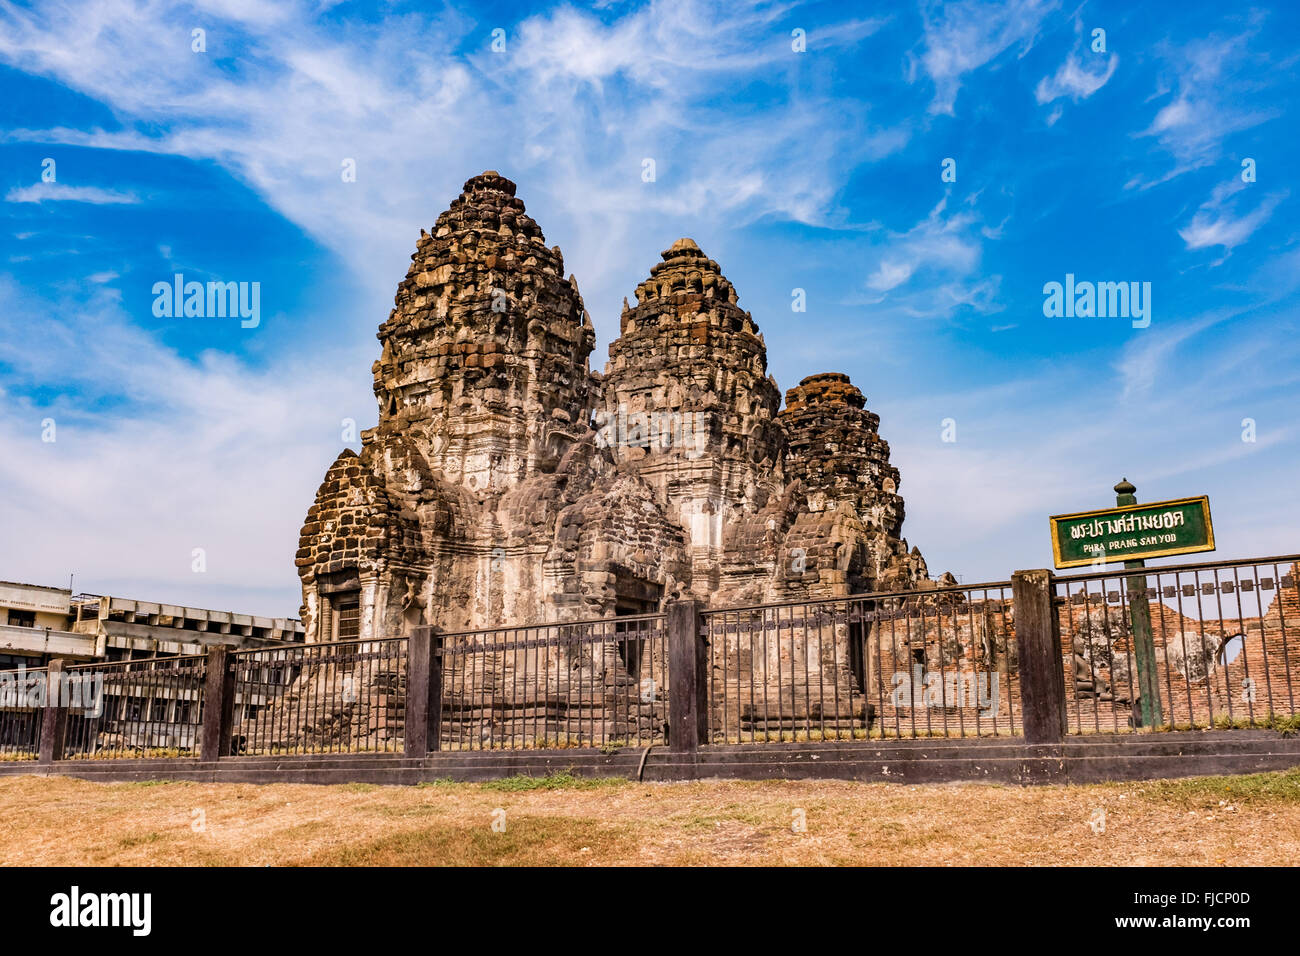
[
  {"x": 23, "y": 694},
  {"x": 1186, "y": 646},
  {"x": 342, "y": 697},
  {"x": 596, "y": 683},
  {"x": 940, "y": 662},
  {"x": 1196, "y": 645},
  {"x": 141, "y": 708}
]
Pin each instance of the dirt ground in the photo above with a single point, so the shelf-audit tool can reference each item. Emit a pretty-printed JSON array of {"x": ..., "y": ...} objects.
[{"x": 560, "y": 820}]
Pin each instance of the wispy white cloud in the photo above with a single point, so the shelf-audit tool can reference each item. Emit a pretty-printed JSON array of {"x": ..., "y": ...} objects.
[
  {"x": 943, "y": 247},
  {"x": 1145, "y": 359},
  {"x": 1214, "y": 96},
  {"x": 1164, "y": 372},
  {"x": 890, "y": 274},
  {"x": 962, "y": 37},
  {"x": 1076, "y": 78},
  {"x": 1215, "y": 224},
  {"x": 61, "y": 192}
]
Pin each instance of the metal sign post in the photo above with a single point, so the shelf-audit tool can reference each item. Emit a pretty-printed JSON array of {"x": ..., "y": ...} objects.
[{"x": 1144, "y": 645}]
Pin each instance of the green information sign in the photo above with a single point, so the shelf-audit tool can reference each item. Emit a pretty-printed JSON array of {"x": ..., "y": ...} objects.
[{"x": 1132, "y": 532}]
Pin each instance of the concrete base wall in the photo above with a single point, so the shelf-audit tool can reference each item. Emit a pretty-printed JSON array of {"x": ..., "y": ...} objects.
[{"x": 1010, "y": 760}]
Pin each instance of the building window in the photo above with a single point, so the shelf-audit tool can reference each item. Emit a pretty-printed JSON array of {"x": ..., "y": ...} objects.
[
  {"x": 11, "y": 662},
  {"x": 250, "y": 712},
  {"x": 349, "y": 617},
  {"x": 22, "y": 618},
  {"x": 160, "y": 709},
  {"x": 182, "y": 712}
]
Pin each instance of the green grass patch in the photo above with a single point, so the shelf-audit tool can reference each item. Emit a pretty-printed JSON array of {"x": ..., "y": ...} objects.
[
  {"x": 1288, "y": 726},
  {"x": 126, "y": 785},
  {"x": 412, "y": 812},
  {"x": 562, "y": 780},
  {"x": 696, "y": 821},
  {"x": 1253, "y": 789},
  {"x": 139, "y": 839}
]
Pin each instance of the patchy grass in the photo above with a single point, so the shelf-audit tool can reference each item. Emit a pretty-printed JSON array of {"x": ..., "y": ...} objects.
[
  {"x": 562, "y": 819},
  {"x": 1255, "y": 789},
  {"x": 1288, "y": 725},
  {"x": 529, "y": 840},
  {"x": 139, "y": 839},
  {"x": 562, "y": 780},
  {"x": 152, "y": 783}
]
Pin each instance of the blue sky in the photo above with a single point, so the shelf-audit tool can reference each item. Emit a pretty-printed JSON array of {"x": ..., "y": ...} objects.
[{"x": 817, "y": 170}]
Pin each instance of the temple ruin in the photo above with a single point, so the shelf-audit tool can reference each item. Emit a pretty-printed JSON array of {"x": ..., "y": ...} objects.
[{"x": 507, "y": 482}]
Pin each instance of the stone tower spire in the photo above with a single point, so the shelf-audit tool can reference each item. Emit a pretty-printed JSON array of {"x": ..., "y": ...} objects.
[
  {"x": 837, "y": 458},
  {"x": 688, "y": 402},
  {"x": 835, "y": 450},
  {"x": 484, "y": 362}
]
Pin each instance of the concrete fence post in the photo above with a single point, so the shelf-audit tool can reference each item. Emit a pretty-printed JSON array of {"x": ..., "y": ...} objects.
[
  {"x": 688, "y": 688},
  {"x": 54, "y": 719},
  {"x": 218, "y": 704},
  {"x": 1042, "y": 668},
  {"x": 423, "y": 722}
]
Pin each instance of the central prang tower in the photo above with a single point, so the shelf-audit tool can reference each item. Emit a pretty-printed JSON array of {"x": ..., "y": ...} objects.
[
  {"x": 690, "y": 369},
  {"x": 484, "y": 361}
]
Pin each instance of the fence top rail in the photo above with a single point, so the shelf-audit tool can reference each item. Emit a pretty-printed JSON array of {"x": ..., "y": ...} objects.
[
  {"x": 24, "y": 671},
  {"x": 140, "y": 663},
  {"x": 314, "y": 645},
  {"x": 1118, "y": 572},
  {"x": 588, "y": 622},
  {"x": 467, "y": 648},
  {"x": 868, "y": 596}
]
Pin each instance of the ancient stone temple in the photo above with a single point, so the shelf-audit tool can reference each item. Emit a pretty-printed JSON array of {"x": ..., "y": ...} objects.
[{"x": 507, "y": 482}]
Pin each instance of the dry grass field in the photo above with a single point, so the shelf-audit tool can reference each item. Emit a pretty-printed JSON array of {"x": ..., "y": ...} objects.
[{"x": 560, "y": 820}]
